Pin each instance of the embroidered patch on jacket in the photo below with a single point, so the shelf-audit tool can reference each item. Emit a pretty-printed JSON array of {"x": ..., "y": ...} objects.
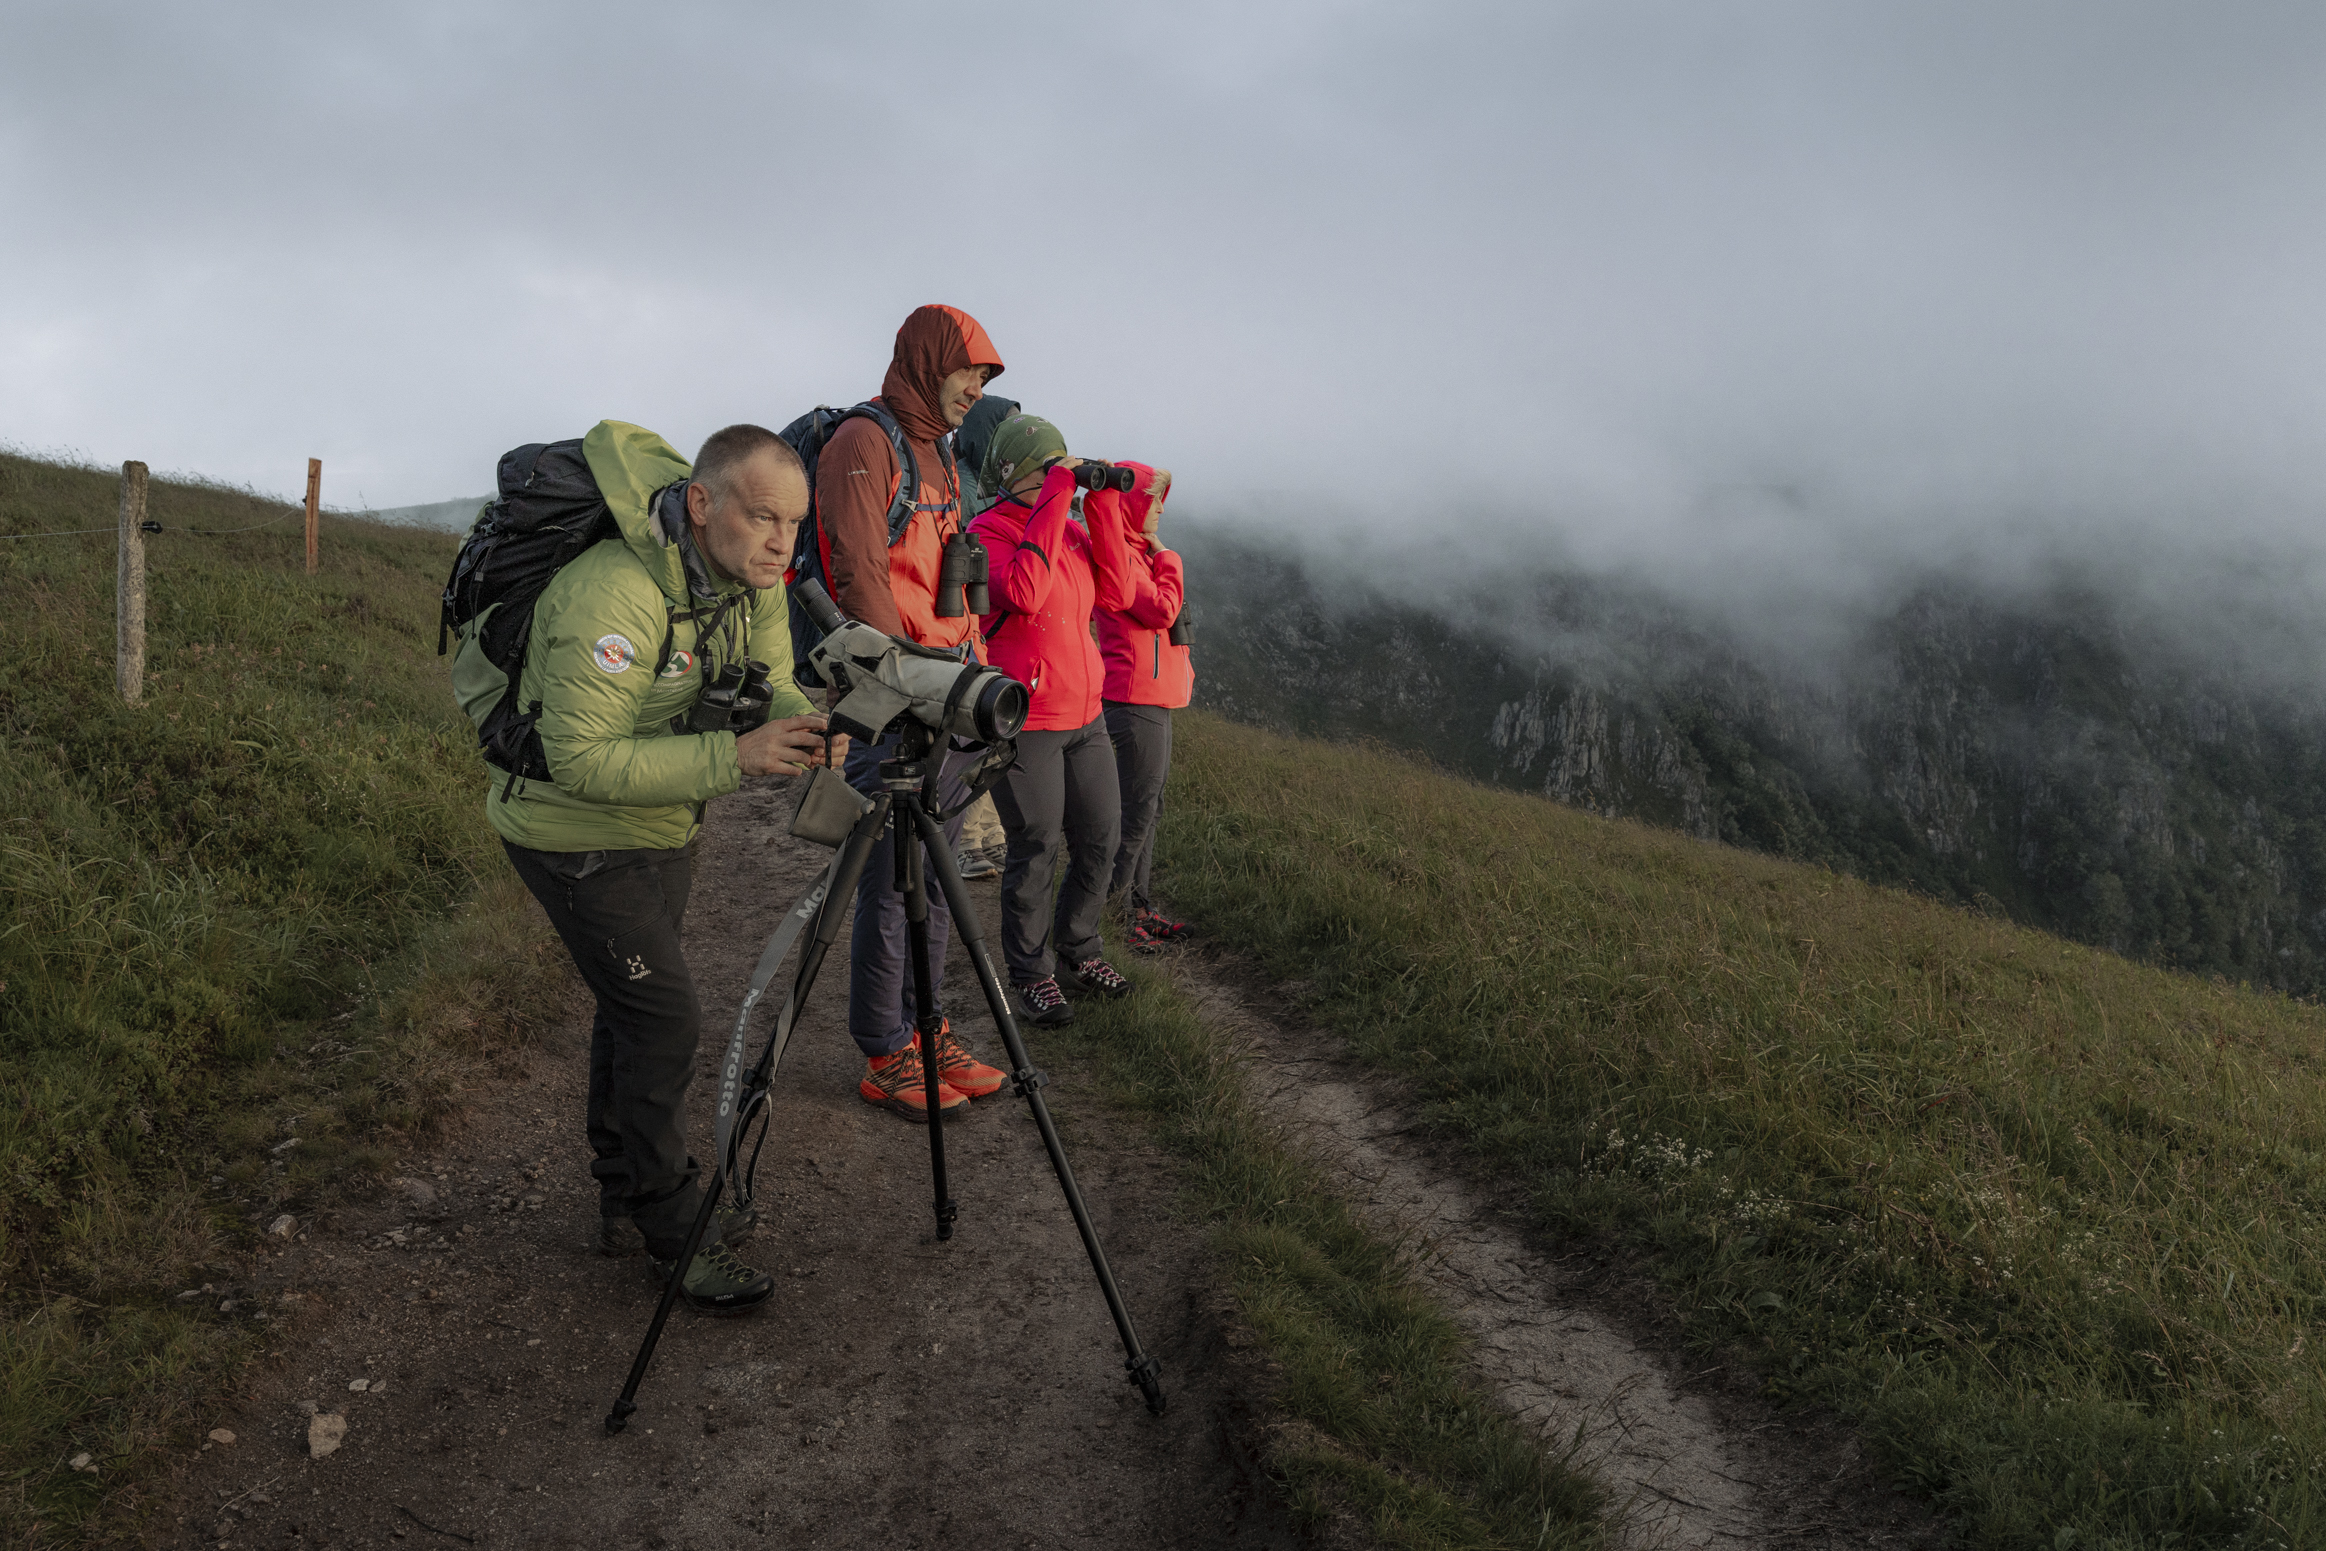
[
  {"x": 681, "y": 664},
  {"x": 614, "y": 653}
]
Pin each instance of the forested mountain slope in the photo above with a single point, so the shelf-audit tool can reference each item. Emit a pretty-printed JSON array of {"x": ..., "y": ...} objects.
[{"x": 2044, "y": 755}]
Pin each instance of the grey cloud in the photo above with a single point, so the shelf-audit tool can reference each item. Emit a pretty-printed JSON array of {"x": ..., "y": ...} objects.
[{"x": 1771, "y": 297}]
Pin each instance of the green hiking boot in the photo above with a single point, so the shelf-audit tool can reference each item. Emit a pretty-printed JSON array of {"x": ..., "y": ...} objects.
[
  {"x": 618, "y": 1236},
  {"x": 720, "y": 1283}
]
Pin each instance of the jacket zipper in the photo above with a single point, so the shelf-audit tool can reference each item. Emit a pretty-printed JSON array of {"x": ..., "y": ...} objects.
[{"x": 1158, "y": 655}]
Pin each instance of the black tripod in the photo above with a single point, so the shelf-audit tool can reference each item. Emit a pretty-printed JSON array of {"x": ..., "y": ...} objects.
[{"x": 905, "y": 806}]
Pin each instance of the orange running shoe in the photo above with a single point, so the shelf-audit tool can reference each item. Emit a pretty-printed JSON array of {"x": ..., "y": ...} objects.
[
  {"x": 895, "y": 1083},
  {"x": 957, "y": 1068}
]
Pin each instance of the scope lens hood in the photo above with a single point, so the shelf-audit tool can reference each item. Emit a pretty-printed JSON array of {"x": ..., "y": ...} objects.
[{"x": 999, "y": 707}]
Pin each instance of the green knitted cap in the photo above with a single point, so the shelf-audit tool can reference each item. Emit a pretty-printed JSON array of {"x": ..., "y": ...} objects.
[{"x": 1020, "y": 443}]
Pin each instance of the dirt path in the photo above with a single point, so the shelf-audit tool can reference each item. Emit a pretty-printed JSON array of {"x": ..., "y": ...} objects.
[
  {"x": 897, "y": 1393},
  {"x": 900, "y": 1392},
  {"x": 1695, "y": 1466}
]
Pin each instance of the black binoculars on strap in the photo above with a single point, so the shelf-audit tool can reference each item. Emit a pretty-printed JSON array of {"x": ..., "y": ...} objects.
[
  {"x": 962, "y": 574},
  {"x": 736, "y": 701}
]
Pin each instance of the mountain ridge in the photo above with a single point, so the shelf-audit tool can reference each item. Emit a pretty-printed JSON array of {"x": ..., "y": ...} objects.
[{"x": 2033, "y": 754}]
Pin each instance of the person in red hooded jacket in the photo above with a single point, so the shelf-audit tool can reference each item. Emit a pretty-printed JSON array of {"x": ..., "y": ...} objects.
[
  {"x": 938, "y": 372},
  {"x": 1148, "y": 676},
  {"x": 1048, "y": 573}
]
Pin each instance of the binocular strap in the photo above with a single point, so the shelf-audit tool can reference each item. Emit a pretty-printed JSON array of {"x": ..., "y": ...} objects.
[{"x": 732, "y": 1100}]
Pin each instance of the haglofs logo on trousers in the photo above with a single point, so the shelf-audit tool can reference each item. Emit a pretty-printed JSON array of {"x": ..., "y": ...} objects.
[{"x": 638, "y": 969}]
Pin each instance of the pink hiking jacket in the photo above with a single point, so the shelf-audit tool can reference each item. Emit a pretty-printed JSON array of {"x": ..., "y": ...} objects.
[
  {"x": 1047, "y": 575},
  {"x": 1142, "y": 666}
]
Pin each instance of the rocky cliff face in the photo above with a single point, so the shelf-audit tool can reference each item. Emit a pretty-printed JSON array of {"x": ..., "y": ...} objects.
[{"x": 2041, "y": 759}]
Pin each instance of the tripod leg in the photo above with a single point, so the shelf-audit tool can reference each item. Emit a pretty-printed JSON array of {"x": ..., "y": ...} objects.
[
  {"x": 811, "y": 959},
  {"x": 1027, "y": 1082},
  {"x": 619, "y": 1417},
  {"x": 830, "y": 916},
  {"x": 925, "y": 1016}
]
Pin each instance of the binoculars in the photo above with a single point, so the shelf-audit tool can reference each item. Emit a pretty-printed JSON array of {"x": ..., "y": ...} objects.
[
  {"x": 1105, "y": 476},
  {"x": 962, "y": 576},
  {"x": 737, "y": 701}
]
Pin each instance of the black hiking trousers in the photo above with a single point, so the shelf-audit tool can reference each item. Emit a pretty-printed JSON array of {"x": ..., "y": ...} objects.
[
  {"x": 618, "y": 913},
  {"x": 1142, "y": 738},
  {"x": 1061, "y": 795}
]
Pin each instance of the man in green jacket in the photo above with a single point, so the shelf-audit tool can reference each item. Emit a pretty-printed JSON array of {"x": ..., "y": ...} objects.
[{"x": 625, "y": 638}]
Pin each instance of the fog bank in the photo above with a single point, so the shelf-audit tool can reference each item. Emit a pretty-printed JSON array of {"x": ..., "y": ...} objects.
[{"x": 1796, "y": 296}]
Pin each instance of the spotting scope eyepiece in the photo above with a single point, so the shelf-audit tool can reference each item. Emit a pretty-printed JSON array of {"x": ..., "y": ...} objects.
[{"x": 811, "y": 596}]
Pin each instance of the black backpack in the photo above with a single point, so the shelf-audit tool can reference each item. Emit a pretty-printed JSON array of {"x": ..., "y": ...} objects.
[
  {"x": 807, "y": 436},
  {"x": 970, "y": 444},
  {"x": 548, "y": 511}
]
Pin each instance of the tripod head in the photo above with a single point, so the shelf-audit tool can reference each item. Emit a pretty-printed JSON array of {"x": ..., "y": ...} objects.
[{"x": 905, "y": 774}]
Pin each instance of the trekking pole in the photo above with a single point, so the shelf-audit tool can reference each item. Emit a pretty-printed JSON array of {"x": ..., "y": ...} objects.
[
  {"x": 828, "y": 918},
  {"x": 1027, "y": 1083}
]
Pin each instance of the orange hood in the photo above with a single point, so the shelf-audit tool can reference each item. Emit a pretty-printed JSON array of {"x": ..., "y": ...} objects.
[{"x": 934, "y": 343}]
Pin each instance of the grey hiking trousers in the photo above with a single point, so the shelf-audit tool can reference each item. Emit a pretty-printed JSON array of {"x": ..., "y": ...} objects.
[
  {"x": 618, "y": 913},
  {"x": 1142, "y": 740},
  {"x": 1061, "y": 790}
]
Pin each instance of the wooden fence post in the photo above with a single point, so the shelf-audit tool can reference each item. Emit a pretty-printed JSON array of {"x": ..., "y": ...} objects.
[
  {"x": 314, "y": 505},
  {"x": 129, "y": 591}
]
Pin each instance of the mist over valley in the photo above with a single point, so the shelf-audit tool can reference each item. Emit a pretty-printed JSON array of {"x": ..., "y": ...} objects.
[{"x": 2123, "y": 752}]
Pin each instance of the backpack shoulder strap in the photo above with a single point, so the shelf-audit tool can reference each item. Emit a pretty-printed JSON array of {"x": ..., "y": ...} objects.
[{"x": 908, "y": 484}]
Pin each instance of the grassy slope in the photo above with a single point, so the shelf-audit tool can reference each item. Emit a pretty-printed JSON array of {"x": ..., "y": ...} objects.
[
  {"x": 2045, "y": 1222},
  {"x": 1389, "y": 1425},
  {"x": 239, "y": 903}
]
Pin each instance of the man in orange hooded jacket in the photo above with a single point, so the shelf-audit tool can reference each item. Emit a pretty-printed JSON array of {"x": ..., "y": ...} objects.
[{"x": 939, "y": 370}]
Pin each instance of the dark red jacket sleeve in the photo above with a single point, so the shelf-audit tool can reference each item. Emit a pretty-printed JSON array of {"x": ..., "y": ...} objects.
[{"x": 856, "y": 477}]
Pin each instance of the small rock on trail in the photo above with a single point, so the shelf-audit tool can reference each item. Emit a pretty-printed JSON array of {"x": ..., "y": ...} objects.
[{"x": 325, "y": 1433}]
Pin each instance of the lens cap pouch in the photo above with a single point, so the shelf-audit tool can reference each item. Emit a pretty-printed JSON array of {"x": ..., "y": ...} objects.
[{"x": 829, "y": 808}]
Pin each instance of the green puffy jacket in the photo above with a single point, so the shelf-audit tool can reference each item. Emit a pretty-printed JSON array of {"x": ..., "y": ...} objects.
[{"x": 622, "y": 779}]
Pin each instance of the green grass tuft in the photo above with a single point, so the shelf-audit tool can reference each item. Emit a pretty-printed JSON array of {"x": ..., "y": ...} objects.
[
  {"x": 2043, "y": 1222},
  {"x": 1388, "y": 1423},
  {"x": 246, "y": 909}
]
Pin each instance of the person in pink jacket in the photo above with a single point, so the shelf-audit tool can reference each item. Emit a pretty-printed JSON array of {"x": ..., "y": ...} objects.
[
  {"x": 1048, "y": 573},
  {"x": 1148, "y": 676}
]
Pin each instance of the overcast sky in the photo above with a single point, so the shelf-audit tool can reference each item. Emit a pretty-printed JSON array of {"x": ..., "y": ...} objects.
[{"x": 1664, "y": 280}]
